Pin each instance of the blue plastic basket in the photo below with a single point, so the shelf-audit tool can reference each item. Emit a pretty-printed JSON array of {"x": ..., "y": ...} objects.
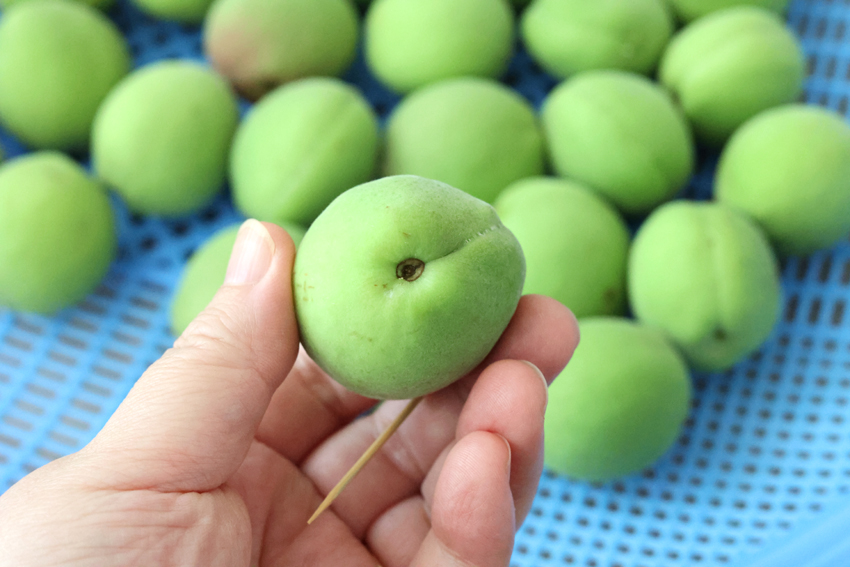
[{"x": 764, "y": 456}]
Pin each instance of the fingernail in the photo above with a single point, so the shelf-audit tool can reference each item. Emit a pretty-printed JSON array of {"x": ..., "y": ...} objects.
[
  {"x": 508, "y": 445},
  {"x": 543, "y": 379},
  {"x": 252, "y": 254}
]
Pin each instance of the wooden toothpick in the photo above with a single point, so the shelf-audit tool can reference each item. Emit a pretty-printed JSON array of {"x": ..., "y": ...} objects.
[{"x": 361, "y": 462}]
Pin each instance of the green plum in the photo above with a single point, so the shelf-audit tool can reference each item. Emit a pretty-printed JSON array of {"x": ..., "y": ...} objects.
[
  {"x": 58, "y": 61},
  {"x": 474, "y": 134},
  {"x": 260, "y": 44},
  {"x": 620, "y": 403},
  {"x": 300, "y": 147},
  {"x": 729, "y": 66},
  {"x": 204, "y": 273},
  {"x": 57, "y": 233},
  {"x": 575, "y": 244},
  {"x": 570, "y": 36},
  {"x": 789, "y": 169},
  {"x": 412, "y": 43},
  {"x": 706, "y": 275},
  {"x": 403, "y": 285},
  {"x": 186, "y": 11},
  {"x": 162, "y": 136},
  {"x": 689, "y": 10},
  {"x": 620, "y": 134}
]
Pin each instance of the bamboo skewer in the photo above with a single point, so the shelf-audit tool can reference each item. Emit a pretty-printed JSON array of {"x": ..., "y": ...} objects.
[{"x": 367, "y": 455}]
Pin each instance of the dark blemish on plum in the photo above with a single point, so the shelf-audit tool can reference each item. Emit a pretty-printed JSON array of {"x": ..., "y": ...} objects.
[
  {"x": 410, "y": 269},
  {"x": 361, "y": 336},
  {"x": 674, "y": 95},
  {"x": 720, "y": 334}
]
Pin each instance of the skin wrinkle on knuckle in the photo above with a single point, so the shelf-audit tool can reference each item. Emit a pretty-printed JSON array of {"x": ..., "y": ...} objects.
[
  {"x": 219, "y": 316},
  {"x": 195, "y": 457},
  {"x": 175, "y": 362},
  {"x": 206, "y": 345},
  {"x": 211, "y": 329},
  {"x": 175, "y": 465},
  {"x": 220, "y": 339}
]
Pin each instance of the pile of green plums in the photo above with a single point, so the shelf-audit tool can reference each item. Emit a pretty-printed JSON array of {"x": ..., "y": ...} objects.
[{"x": 420, "y": 232}]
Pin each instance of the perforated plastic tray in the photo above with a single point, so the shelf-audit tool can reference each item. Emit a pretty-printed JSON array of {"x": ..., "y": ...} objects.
[{"x": 765, "y": 453}]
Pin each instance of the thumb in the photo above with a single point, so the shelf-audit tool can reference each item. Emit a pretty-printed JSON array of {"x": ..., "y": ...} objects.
[{"x": 188, "y": 422}]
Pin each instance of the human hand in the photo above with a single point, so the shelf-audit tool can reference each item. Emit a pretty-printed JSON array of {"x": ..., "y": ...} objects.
[{"x": 227, "y": 444}]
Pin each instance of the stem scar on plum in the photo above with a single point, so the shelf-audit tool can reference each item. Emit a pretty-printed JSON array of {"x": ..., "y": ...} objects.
[{"x": 410, "y": 269}]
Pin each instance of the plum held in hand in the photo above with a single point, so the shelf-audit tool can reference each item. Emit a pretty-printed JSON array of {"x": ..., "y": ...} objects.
[
  {"x": 575, "y": 243},
  {"x": 474, "y": 134},
  {"x": 162, "y": 136},
  {"x": 570, "y": 36},
  {"x": 705, "y": 275},
  {"x": 57, "y": 233},
  {"x": 260, "y": 44},
  {"x": 403, "y": 285},
  {"x": 729, "y": 66},
  {"x": 58, "y": 61},
  {"x": 412, "y": 43},
  {"x": 300, "y": 147},
  {"x": 789, "y": 169},
  {"x": 621, "y": 135},
  {"x": 620, "y": 403}
]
